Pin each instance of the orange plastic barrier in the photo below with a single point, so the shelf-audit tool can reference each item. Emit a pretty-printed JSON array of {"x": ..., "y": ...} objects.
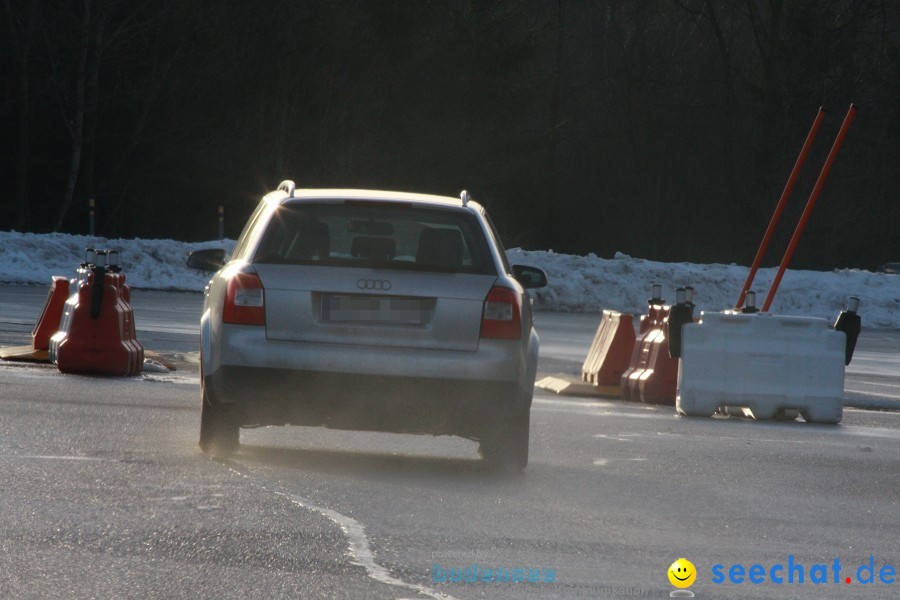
[
  {"x": 610, "y": 352},
  {"x": 97, "y": 334},
  {"x": 48, "y": 323},
  {"x": 652, "y": 375},
  {"x": 659, "y": 381}
]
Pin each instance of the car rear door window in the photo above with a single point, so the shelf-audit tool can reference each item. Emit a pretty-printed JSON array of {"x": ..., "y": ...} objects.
[{"x": 376, "y": 234}]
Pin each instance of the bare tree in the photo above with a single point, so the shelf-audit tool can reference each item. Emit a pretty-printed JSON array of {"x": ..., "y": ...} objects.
[
  {"x": 23, "y": 18},
  {"x": 76, "y": 121}
]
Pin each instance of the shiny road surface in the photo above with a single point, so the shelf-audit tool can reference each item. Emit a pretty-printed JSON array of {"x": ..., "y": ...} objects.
[{"x": 106, "y": 494}]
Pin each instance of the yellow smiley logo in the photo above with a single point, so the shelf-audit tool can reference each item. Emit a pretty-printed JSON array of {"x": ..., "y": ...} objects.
[{"x": 682, "y": 573}]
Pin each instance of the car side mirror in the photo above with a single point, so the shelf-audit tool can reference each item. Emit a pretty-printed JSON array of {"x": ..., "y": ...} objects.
[
  {"x": 210, "y": 259},
  {"x": 529, "y": 277}
]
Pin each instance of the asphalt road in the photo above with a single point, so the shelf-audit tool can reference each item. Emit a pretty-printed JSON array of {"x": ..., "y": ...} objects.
[{"x": 106, "y": 495}]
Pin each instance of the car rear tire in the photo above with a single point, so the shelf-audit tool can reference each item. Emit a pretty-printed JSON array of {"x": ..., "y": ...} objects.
[
  {"x": 220, "y": 433},
  {"x": 506, "y": 447}
]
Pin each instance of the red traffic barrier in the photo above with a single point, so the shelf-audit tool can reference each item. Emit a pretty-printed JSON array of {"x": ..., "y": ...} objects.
[
  {"x": 651, "y": 375},
  {"x": 128, "y": 327},
  {"x": 610, "y": 352},
  {"x": 97, "y": 334},
  {"x": 48, "y": 323},
  {"x": 658, "y": 381}
]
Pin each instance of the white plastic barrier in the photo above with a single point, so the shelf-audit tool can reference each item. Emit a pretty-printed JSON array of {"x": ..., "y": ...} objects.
[{"x": 767, "y": 363}]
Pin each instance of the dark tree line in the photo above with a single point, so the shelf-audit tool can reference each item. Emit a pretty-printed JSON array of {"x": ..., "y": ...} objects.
[{"x": 662, "y": 129}]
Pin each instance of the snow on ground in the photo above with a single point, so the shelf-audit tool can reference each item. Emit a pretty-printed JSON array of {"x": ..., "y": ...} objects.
[
  {"x": 147, "y": 264},
  {"x": 576, "y": 283},
  {"x": 588, "y": 283}
]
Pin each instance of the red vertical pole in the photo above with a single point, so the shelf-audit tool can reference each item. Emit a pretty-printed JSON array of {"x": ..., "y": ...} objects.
[
  {"x": 810, "y": 204},
  {"x": 779, "y": 209}
]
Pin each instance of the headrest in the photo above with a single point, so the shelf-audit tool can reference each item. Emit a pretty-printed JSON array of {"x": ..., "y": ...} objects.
[{"x": 373, "y": 247}]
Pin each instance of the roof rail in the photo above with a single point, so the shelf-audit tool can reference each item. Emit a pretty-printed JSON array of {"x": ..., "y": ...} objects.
[
  {"x": 464, "y": 196},
  {"x": 288, "y": 186}
]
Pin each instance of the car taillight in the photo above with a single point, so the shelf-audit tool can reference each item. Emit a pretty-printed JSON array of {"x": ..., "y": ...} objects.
[
  {"x": 502, "y": 316},
  {"x": 245, "y": 300}
]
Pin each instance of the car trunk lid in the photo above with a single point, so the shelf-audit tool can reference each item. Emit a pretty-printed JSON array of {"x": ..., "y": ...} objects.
[{"x": 376, "y": 307}]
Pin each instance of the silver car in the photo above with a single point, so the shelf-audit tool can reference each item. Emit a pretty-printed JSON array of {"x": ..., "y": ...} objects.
[{"x": 369, "y": 310}]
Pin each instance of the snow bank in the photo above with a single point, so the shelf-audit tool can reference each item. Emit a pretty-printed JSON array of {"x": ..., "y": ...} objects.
[
  {"x": 589, "y": 284},
  {"x": 576, "y": 283},
  {"x": 148, "y": 264}
]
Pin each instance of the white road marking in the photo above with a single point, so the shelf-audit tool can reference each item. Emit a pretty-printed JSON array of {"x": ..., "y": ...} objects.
[
  {"x": 178, "y": 329},
  {"x": 600, "y": 408},
  {"x": 360, "y": 550},
  {"x": 15, "y": 321},
  {"x": 731, "y": 438},
  {"x": 574, "y": 403},
  {"x": 880, "y": 384},
  {"x": 880, "y": 432},
  {"x": 622, "y": 437},
  {"x": 602, "y": 462},
  {"x": 51, "y": 457},
  {"x": 881, "y": 395},
  {"x": 841, "y": 434}
]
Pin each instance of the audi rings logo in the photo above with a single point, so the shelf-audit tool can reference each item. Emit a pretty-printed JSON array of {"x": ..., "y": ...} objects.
[{"x": 382, "y": 285}]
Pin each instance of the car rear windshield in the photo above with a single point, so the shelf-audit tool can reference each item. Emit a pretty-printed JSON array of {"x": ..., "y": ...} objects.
[{"x": 372, "y": 234}]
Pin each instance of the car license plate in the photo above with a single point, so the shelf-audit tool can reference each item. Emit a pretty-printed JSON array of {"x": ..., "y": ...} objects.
[{"x": 359, "y": 308}]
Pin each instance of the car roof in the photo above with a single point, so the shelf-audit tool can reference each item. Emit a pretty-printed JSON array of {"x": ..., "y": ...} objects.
[{"x": 375, "y": 195}]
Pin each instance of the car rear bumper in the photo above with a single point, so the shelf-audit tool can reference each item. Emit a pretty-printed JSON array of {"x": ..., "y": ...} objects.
[
  {"x": 510, "y": 361},
  {"x": 438, "y": 406}
]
